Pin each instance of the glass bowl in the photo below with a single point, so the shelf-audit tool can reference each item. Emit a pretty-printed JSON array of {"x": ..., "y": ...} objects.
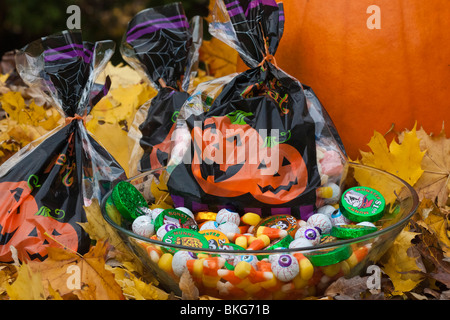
[{"x": 214, "y": 276}]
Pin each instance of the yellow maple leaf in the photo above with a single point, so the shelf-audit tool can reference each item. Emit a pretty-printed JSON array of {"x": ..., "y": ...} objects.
[
  {"x": 402, "y": 160},
  {"x": 399, "y": 266},
  {"x": 121, "y": 75},
  {"x": 98, "y": 229},
  {"x": 434, "y": 184},
  {"x": 27, "y": 286},
  {"x": 111, "y": 117},
  {"x": 135, "y": 288},
  {"x": 435, "y": 221}
]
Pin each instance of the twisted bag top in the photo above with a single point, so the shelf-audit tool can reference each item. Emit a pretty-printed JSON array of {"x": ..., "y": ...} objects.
[
  {"x": 45, "y": 186},
  {"x": 161, "y": 45}
]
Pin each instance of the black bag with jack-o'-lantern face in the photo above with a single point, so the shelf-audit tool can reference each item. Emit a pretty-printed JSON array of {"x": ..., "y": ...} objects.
[
  {"x": 44, "y": 186},
  {"x": 254, "y": 149}
]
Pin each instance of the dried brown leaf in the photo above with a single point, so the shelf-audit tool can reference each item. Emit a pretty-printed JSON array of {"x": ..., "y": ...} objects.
[{"x": 187, "y": 286}]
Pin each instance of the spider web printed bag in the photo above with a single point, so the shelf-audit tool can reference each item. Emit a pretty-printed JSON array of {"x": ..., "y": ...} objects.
[
  {"x": 163, "y": 47},
  {"x": 44, "y": 186},
  {"x": 254, "y": 148}
]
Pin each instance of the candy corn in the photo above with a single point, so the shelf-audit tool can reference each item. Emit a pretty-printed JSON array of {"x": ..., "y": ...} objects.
[
  {"x": 259, "y": 243},
  {"x": 272, "y": 233}
]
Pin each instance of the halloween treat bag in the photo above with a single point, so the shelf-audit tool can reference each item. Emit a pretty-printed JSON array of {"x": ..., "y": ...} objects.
[
  {"x": 253, "y": 142},
  {"x": 44, "y": 186},
  {"x": 162, "y": 46}
]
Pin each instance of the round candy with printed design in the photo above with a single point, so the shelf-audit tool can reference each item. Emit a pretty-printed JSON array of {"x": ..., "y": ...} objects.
[
  {"x": 184, "y": 237},
  {"x": 362, "y": 204},
  {"x": 280, "y": 221},
  {"x": 216, "y": 239},
  {"x": 176, "y": 217},
  {"x": 179, "y": 261}
]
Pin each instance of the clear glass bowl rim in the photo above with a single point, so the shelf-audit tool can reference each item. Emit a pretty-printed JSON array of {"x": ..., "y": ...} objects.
[{"x": 340, "y": 243}]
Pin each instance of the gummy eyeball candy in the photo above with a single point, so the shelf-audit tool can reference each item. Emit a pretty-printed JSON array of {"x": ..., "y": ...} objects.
[
  {"x": 187, "y": 211},
  {"x": 300, "y": 243},
  {"x": 143, "y": 226},
  {"x": 284, "y": 267},
  {"x": 338, "y": 218},
  {"x": 247, "y": 258},
  {"x": 326, "y": 210},
  {"x": 310, "y": 233},
  {"x": 179, "y": 261},
  {"x": 165, "y": 228},
  {"x": 209, "y": 225},
  {"x": 321, "y": 222},
  {"x": 225, "y": 215},
  {"x": 228, "y": 227}
]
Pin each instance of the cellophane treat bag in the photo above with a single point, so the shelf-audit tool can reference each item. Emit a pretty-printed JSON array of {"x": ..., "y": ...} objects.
[
  {"x": 163, "y": 47},
  {"x": 258, "y": 141},
  {"x": 44, "y": 186}
]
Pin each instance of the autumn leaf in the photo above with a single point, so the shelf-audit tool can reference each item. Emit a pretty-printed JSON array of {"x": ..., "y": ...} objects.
[
  {"x": 403, "y": 160},
  {"x": 112, "y": 116},
  {"x": 434, "y": 183},
  {"x": 436, "y": 222},
  {"x": 135, "y": 288},
  {"x": 348, "y": 289},
  {"x": 187, "y": 286},
  {"x": 98, "y": 229},
  {"x": 27, "y": 286},
  {"x": 121, "y": 75},
  {"x": 403, "y": 270},
  {"x": 96, "y": 283},
  {"x": 220, "y": 58}
]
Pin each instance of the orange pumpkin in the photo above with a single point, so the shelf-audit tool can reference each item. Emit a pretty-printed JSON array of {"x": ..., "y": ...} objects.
[{"x": 369, "y": 79}]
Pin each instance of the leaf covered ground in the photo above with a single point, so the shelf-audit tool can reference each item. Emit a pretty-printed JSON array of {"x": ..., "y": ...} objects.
[{"x": 416, "y": 267}]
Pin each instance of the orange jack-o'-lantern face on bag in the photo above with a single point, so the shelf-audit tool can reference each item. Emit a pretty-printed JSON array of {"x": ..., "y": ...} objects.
[
  {"x": 27, "y": 228},
  {"x": 232, "y": 159}
]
